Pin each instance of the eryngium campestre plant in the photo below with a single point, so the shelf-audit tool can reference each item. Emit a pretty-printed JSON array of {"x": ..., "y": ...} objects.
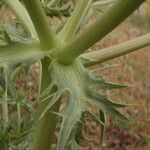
[{"x": 64, "y": 66}]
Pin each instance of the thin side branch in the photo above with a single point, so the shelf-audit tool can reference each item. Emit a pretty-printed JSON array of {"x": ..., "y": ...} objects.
[
  {"x": 74, "y": 21},
  {"x": 106, "y": 54},
  {"x": 105, "y": 24},
  {"x": 46, "y": 37}
]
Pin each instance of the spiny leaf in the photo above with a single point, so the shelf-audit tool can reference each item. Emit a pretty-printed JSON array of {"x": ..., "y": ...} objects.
[
  {"x": 107, "y": 109},
  {"x": 56, "y": 96},
  {"x": 95, "y": 117},
  {"x": 110, "y": 107},
  {"x": 104, "y": 99},
  {"x": 19, "y": 52},
  {"x": 102, "y": 84},
  {"x": 16, "y": 32},
  {"x": 72, "y": 115},
  {"x": 116, "y": 114},
  {"x": 45, "y": 92}
]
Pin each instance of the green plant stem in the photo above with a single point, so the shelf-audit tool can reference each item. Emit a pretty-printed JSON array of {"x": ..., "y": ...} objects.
[
  {"x": 112, "y": 18},
  {"x": 105, "y": 54},
  {"x": 74, "y": 21},
  {"x": 18, "y": 118},
  {"x": 5, "y": 104},
  {"x": 21, "y": 13},
  {"x": 5, "y": 114},
  {"x": 46, "y": 37},
  {"x": 47, "y": 124}
]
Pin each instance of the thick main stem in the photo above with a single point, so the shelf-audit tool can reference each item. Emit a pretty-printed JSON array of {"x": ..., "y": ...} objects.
[
  {"x": 105, "y": 54},
  {"x": 111, "y": 19},
  {"x": 47, "y": 124}
]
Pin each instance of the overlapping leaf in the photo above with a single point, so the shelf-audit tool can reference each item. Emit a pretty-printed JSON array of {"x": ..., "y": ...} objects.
[
  {"x": 107, "y": 108},
  {"x": 71, "y": 116}
]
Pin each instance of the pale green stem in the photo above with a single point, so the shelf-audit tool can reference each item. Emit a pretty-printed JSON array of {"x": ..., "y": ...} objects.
[
  {"x": 46, "y": 125},
  {"x": 20, "y": 52},
  {"x": 36, "y": 12},
  {"x": 74, "y": 21},
  {"x": 106, "y": 54},
  {"x": 21, "y": 13},
  {"x": 104, "y": 25},
  {"x": 5, "y": 104},
  {"x": 18, "y": 118}
]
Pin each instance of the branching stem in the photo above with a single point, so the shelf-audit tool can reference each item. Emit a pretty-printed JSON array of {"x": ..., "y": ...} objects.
[
  {"x": 46, "y": 37},
  {"x": 111, "y": 19},
  {"x": 105, "y": 54}
]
